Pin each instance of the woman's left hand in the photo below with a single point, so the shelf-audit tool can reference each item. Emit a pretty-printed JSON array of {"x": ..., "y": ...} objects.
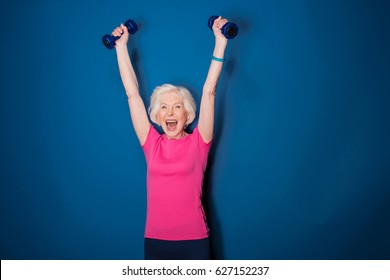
[{"x": 217, "y": 26}]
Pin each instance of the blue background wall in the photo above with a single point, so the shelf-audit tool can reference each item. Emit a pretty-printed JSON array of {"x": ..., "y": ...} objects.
[{"x": 299, "y": 168}]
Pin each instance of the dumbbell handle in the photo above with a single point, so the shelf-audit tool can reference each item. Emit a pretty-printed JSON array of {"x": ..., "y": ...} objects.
[
  {"x": 109, "y": 41},
  {"x": 229, "y": 29}
]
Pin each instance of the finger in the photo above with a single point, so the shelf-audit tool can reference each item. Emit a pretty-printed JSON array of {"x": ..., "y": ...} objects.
[
  {"x": 116, "y": 32},
  {"x": 222, "y": 23},
  {"x": 123, "y": 29},
  {"x": 215, "y": 23}
]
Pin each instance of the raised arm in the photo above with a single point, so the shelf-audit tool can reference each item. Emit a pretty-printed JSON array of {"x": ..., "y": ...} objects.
[
  {"x": 138, "y": 113},
  {"x": 206, "y": 113}
]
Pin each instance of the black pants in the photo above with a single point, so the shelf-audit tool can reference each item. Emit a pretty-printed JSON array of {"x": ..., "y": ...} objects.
[{"x": 156, "y": 249}]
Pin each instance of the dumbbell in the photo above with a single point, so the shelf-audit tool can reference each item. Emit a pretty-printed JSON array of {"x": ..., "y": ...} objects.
[
  {"x": 109, "y": 41},
  {"x": 229, "y": 29}
]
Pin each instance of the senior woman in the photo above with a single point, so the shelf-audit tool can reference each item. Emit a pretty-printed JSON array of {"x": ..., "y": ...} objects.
[{"x": 176, "y": 226}]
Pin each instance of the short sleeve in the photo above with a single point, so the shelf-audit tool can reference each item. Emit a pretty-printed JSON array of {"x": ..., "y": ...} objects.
[
  {"x": 204, "y": 148},
  {"x": 151, "y": 141}
]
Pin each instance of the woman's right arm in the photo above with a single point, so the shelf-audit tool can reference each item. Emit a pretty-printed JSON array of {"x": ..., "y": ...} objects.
[{"x": 138, "y": 113}]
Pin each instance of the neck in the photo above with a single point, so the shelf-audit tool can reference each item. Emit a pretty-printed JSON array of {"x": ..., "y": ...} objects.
[{"x": 179, "y": 136}]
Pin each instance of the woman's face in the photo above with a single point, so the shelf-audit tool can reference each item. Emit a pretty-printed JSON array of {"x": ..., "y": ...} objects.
[{"x": 171, "y": 115}]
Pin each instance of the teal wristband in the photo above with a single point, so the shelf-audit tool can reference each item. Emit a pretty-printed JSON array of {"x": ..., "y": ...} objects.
[{"x": 218, "y": 59}]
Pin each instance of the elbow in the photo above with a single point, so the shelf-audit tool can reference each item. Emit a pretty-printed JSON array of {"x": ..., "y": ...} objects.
[
  {"x": 209, "y": 89},
  {"x": 131, "y": 93},
  {"x": 128, "y": 96}
]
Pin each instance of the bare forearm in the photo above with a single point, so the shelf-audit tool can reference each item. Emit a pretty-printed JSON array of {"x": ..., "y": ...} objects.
[
  {"x": 129, "y": 78},
  {"x": 215, "y": 68}
]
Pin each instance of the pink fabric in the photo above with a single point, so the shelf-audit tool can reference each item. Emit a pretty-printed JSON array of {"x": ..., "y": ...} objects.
[{"x": 175, "y": 171}]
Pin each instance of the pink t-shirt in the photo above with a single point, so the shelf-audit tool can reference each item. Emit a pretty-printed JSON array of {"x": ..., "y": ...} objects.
[{"x": 175, "y": 171}]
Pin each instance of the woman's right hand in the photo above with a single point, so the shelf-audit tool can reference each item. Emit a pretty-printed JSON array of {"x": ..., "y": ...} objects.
[{"x": 123, "y": 32}]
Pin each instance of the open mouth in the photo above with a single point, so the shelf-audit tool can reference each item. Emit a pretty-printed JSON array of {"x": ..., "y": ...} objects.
[{"x": 171, "y": 125}]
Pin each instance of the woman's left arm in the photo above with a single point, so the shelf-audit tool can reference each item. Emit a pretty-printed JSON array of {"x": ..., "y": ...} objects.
[{"x": 206, "y": 113}]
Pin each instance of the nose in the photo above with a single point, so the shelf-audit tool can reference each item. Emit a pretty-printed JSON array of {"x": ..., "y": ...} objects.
[{"x": 170, "y": 112}]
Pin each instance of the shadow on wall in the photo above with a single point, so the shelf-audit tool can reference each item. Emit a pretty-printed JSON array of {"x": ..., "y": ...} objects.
[
  {"x": 216, "y": 238},
  {"x": 135, "y": 57},
  {"x": 228, "y": 74}
]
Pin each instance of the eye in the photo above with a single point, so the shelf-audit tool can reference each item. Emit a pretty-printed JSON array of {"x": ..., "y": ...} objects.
[
  {"x": 163, "y": 107},
  {"x": 178, "y": 106}
]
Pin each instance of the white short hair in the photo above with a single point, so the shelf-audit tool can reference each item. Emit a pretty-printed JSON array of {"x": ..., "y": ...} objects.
[{"x": 188, "y": 101}]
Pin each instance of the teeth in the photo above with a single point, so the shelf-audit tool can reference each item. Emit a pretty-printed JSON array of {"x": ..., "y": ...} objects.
[{"x": 171, "y": 124}]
